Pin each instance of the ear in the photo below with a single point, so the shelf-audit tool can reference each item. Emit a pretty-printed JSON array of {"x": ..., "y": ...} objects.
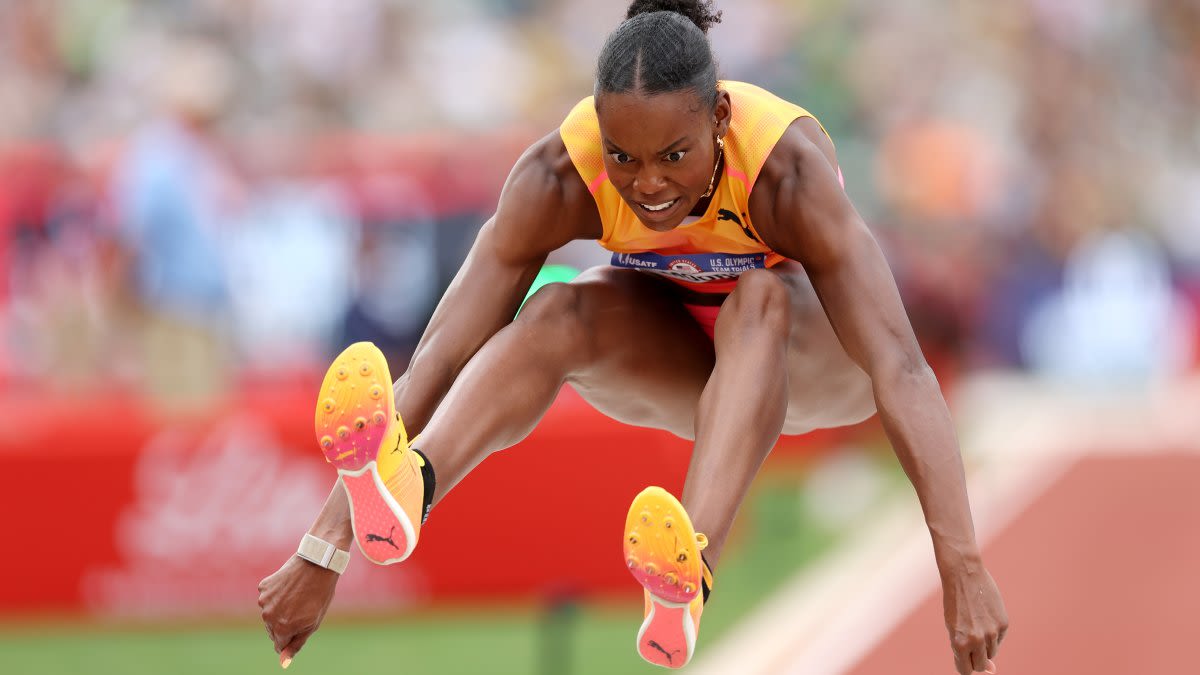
[{"x": 722, "y": 112}]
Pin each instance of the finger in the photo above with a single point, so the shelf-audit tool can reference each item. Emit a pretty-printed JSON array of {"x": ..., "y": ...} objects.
[
  {"x": 993, "y": 646},
  {"x": 289, "y": 651},
  {"x": 991, "y": 667},
  {"x": 962, "y": 645},
  {"x": 979, "y": 659},
  {"x": 281, "y": 640},
  {"x": 960, "y": 665}
]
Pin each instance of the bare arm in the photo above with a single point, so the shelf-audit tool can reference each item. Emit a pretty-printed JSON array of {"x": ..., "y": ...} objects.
[
  {"x": 803, "y": 213},
  {"x": 813, "y": 221},
  {"x": 543, "y": 206}
]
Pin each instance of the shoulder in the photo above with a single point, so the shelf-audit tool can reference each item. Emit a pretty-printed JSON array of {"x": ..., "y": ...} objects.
[
  {"x": 546, "y": 175},
  {"x": 770, "y": 133},
  {"x": 798, "y": 197},
  {"x": 798, "y": 174},
  {"x": 545, "y": 203},
  {"x": 546, "y": 167},
  {"x": 803, "y": 146}
]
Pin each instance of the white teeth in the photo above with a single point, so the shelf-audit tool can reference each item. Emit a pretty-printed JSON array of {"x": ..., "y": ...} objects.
[{"x": 659, "y": 207}]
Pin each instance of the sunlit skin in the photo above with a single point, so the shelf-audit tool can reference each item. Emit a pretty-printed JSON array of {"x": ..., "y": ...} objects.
[
  {"x": 821, "y": 340},
  {"x": 660, "y": 148}
]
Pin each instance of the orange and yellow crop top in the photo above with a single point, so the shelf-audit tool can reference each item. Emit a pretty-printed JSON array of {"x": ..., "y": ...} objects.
[{"x": 705, "y": 253}]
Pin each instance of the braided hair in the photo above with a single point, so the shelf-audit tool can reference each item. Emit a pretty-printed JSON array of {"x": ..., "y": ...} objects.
[{"x": 662, "y": 46}]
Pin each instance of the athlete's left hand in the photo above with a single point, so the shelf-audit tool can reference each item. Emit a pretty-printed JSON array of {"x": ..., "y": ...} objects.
[
  {"x": 975, "y": 618},
  {"x": 294, "y": 601}
]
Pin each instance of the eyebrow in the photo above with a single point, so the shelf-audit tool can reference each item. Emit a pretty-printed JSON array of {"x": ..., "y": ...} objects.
[{"x": 664, "y": 151}]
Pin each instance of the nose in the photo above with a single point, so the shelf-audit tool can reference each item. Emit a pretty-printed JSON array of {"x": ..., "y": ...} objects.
[{"x": 648, "y": 181}]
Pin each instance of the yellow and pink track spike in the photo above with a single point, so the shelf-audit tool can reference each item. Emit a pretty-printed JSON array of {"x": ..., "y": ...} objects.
[
  {"x": 361, "y": 434},
  {"x": 662, "y": 551}
]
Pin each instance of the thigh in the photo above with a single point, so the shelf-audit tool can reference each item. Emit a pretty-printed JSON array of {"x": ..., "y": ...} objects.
[
  {"x": 649, "y": 360},
  {"x": 826, "y": 388}
]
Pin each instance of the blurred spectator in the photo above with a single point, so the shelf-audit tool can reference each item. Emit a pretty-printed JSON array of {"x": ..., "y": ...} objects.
[
  {"x": 397, "y": 269},
  {"x": 291, "y": 261},
  {"x": 176, "y": 199},
  {"x": 1116, "y": 320},
  {"x": 312, "y": 171}
]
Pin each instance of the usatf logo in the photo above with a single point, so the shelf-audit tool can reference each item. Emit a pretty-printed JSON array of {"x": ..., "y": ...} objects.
[{"x": 632, "y": 260}]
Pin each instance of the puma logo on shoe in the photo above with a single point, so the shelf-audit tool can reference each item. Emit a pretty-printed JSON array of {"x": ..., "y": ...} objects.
[
  {"x": 388, "y": 539},
  {"x": 654, "y": 645}
]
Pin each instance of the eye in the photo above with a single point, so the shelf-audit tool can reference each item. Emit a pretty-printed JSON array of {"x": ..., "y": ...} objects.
[
  {"x": 620, "y": 157},
  {"x": 674, "y": 156}
]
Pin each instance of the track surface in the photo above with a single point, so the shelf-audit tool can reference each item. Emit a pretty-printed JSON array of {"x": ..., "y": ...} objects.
[{"x": 1100, "y": 575}]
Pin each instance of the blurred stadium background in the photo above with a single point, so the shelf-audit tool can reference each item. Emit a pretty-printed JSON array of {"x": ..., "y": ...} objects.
[{"x": 202, "y": 201}]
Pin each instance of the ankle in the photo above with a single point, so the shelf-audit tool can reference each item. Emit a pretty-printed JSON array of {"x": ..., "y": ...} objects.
[
  {"x": 429, "y": 479},
  {"x": 706, "y": 577}
]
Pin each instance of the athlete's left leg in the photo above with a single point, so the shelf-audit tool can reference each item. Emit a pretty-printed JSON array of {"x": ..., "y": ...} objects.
[{"x": 779, "y": 368}]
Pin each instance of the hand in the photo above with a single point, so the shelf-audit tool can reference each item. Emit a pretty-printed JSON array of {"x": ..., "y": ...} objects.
[
  {"x": 293, "y": 601},
  {"x": 975, "y": 618}
]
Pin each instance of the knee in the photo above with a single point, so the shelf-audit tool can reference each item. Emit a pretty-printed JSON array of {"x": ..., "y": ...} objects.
[
  {"x": 554, "y": 316},
  {"x": 552, "y": 303},
  {"x": 761, "y": 299}
]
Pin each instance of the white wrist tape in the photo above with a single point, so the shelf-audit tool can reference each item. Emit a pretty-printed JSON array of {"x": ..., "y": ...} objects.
[{"x": 322, "y": 553}]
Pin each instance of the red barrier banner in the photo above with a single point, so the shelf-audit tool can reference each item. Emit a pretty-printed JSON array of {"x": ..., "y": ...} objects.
[{"x": 114, "y": 511}]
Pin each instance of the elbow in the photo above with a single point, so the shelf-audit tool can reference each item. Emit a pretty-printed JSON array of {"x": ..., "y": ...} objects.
[
  {"x": 901, "y": 371},
  {"x": 902, "y": 387}
]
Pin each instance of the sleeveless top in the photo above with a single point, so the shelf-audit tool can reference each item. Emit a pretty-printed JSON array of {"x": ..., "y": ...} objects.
[{"x": 705, "y": 253}]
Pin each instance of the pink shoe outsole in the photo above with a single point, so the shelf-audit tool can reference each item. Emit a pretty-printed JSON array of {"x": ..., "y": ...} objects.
[
  {"x": 378, "y": 529},
  {"x": 663, "y": 640}
]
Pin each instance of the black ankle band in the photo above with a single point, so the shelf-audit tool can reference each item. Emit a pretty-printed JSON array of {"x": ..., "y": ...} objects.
[
  {"x": 703, "y": 581},
  {"x": 429, "y": 479}
]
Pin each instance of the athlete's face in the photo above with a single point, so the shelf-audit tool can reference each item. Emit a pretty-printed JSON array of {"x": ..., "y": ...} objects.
[{"x": 660, "y": 151}]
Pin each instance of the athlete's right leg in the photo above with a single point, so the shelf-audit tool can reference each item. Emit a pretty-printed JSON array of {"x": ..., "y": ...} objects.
[{"x": 617, "y": 336}]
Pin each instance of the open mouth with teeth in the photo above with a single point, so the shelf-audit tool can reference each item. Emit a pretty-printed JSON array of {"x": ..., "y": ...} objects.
[{"x": 655, "y": 208}]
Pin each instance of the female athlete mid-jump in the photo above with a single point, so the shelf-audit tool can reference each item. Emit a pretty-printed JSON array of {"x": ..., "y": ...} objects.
[{"x": 745, "y": 298}]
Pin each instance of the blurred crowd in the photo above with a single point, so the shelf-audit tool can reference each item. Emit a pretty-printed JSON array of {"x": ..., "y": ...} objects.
[{"x": 196, "y": 194}]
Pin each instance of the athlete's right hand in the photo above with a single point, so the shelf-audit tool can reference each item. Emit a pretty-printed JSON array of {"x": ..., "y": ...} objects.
[{"x": 294, "y": 600}]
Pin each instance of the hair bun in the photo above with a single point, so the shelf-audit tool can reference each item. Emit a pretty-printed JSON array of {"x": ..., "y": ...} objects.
[{"x": 698, "y": 12}]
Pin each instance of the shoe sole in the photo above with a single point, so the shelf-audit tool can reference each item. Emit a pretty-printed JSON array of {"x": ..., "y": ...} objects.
[
  {"x": 661, "y": 553},
  {"x": 355, "y": 420},
  {"x": 660, "y": 546},
  {"x": 667, "y": 637}
]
